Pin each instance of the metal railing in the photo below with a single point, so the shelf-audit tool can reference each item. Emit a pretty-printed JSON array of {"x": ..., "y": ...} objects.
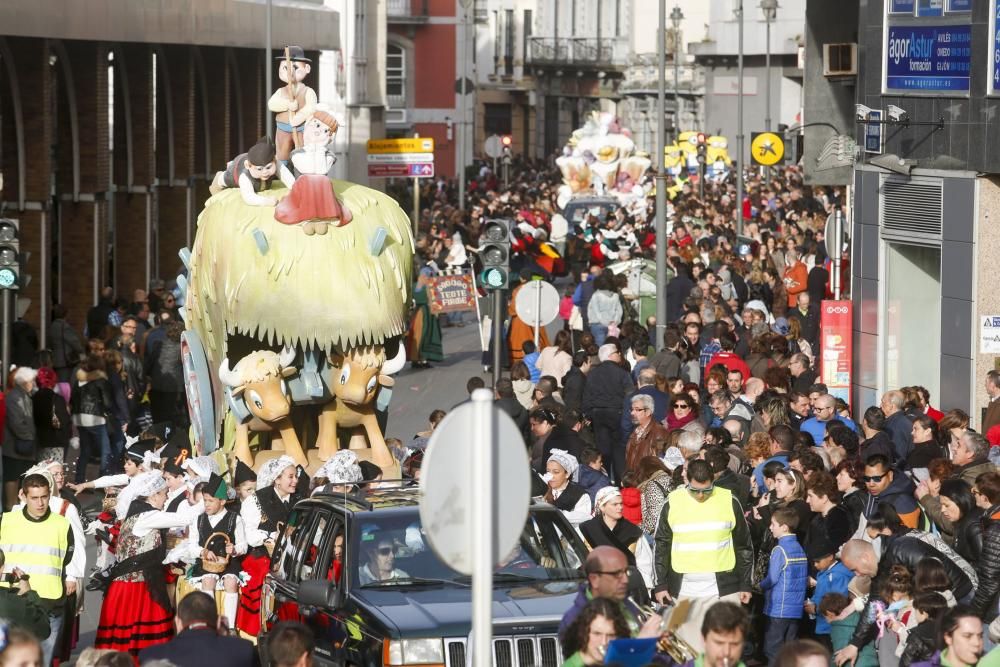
[
  {"x": 406, "y": 8},
  {"x": 588, "y": 51}
]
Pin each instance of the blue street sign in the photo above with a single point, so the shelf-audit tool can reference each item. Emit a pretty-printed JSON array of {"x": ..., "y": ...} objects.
[
  {"x": 928, "y": 59},
  {"x": 873, "y": 133},
  {"x": 901, "y": 7},
  {"x": 930, "y": 7}
]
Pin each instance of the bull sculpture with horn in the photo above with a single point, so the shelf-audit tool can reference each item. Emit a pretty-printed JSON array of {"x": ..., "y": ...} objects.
[
  {"x": 259, "y": 380},
  {"x": 355, "y": 378}
]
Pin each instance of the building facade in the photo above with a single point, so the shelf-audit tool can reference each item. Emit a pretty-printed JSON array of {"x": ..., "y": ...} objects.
[
  {"x": 926, "y": 193},
  {"x": 114, "y": 117}
]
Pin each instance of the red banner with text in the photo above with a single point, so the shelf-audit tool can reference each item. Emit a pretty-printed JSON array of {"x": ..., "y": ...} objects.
[{"x": 836, "y": 349}]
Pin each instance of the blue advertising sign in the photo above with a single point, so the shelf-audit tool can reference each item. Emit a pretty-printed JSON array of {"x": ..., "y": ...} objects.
[
  {"x": 873, "y": 133},
  {"x": 959, "y": 5},
  {"x": 928, "y": 59},
  {"x": 995, "y": 43},
  {"x": 930, "y": 7},
  {"x": 901, "y": 7}
]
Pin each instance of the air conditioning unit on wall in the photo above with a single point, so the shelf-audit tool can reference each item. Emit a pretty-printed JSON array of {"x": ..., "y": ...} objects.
[{"x": 840, "y": 59}]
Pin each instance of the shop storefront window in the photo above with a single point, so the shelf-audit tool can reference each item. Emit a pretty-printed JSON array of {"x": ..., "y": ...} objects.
[{"x": 912, "y": 316}]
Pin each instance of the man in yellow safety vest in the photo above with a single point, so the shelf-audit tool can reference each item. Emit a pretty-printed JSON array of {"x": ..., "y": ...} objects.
[
  {"x": 39, "y": 545},
  {"x": 703, "y": 550}
]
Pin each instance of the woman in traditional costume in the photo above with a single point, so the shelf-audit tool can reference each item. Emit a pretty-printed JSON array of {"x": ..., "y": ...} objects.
[
  {"x": 563, "y": 492},
  {"x": 264, "y": 514},
  {"x": 136, "y": 612}
]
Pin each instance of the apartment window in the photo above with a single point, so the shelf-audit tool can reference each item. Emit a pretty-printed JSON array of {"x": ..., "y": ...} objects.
[
  {"x": 497, "y": 119},
  {"x": 395, "y": 76},
  {"x": 526, "y": 31},
  {"x": 508, "y": 47}
]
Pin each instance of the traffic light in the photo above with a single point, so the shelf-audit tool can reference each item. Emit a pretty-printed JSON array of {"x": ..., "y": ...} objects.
[
  {"x": 702, "y": 147},
  {"x": 507, "y": 142},
  {"x": 10, "y": 255},
  {"x": 494, "y": 251}
]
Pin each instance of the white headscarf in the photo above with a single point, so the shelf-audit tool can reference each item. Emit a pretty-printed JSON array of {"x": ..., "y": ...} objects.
[
  {"x": 142, "y": 485},
  {"x": 605, "y": 495},
  {"x": 271, "y": 469},
  {"x": 43, "y": 470},
  {"x": 565, "y": 459},
  {"x": 341, "y": 468},
  {"x": 673, "y": 458},
  {"x": 202, "y": 467}
]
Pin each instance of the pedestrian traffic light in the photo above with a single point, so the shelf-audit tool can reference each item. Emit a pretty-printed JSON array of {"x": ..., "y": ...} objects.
[
  {"x": 494, "y": 251},
  {"x": 10, "y": 255},
  {"x": 702, "y": 147}
]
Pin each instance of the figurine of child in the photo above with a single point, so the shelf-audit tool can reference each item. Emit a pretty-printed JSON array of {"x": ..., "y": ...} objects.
[{"x": 312, "y": 200}]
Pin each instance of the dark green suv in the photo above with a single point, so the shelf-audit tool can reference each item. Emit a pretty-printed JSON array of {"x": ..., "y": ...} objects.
[{"x": 360, "y": 572}]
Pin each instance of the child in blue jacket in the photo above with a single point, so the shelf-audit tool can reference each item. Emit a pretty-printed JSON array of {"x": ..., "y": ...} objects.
[
  {"x": 832, "y": 576},
  {"x": 531, "y": 360},
  {"x": 785, "y": 584}
]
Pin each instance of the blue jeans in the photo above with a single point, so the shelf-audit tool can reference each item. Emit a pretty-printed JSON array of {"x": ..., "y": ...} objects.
[
  {"x": 93, "y": 439},
  {"x": 49, "y": 645},
  {"x": 600, "y": 332},
  {"x": 779, "y": 632}
]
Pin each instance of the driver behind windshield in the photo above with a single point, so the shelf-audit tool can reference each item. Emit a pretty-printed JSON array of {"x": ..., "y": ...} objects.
[{"x": 381, "y": 562}]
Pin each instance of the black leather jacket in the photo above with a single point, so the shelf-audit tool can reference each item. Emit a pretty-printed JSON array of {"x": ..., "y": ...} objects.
[
  {"x": 988, "y": 569},
  {"x": 93, "y": 397},
  {"x": 969, "y": 536}
]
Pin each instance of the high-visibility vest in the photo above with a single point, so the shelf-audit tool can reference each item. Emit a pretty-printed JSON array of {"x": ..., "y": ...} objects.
[
  {"x": 36, "y": 548},
  {"x": 702, "y": 532}
]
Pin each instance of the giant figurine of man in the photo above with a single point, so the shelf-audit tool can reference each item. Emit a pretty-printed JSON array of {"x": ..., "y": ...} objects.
[{"x": 292, "y": 104}]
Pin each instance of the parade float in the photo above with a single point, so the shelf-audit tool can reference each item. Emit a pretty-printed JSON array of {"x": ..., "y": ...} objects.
[
  {"x": 601, "y": 168},
  {"x": 296, "y": 298}
]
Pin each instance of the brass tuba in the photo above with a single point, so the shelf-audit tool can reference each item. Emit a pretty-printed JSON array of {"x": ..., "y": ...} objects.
[{"x": 670, "y": 642}]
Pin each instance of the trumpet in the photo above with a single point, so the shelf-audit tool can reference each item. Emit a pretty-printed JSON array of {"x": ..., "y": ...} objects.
[{"x": 670, "y": 643}]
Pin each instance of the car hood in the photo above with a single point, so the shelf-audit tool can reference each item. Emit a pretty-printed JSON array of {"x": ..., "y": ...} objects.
[{"x": 417, "y": 611}]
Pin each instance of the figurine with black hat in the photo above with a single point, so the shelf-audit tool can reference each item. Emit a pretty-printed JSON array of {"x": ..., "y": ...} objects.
[
  {"x": 139, "y": 457},
  {"x": 252, "y": 172},
  {"x": 216, "y": 544},
  {"x": 294, "y": 103},
  {"x": 177, "y": 483}
]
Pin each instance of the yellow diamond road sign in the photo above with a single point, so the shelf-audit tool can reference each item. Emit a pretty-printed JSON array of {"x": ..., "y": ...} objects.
[
  {"x": 403, "y": 145},
  {"x": 767, "y": 148}
]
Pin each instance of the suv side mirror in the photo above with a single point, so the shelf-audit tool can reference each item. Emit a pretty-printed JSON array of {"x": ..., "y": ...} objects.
[{"x": 319, "y": 593}]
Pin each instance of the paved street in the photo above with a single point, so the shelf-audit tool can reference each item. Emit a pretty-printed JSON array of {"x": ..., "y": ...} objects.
[{"x": 416, "y": 395}]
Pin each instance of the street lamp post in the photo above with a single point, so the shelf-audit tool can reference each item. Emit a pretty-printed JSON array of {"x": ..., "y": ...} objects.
[
  {"x": 770, "y": 8},
  {"x": 461, "y": 104},
  {"x": 676, "y": 16},
  {"x": 739, "y": 121},
  {"x": 661, "y": 181}
]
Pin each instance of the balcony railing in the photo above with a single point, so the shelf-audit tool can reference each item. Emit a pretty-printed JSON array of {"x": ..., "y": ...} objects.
[
  {"x": 406, "y": 11},
  {"x": 579, "y": 51}
]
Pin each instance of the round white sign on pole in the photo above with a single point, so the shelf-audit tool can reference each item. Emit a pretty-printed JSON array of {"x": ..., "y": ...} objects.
[
  {"x": 537, "y": 300},
  {"x": 492, "y": 146},
  {"x": 446, "y": 488}
]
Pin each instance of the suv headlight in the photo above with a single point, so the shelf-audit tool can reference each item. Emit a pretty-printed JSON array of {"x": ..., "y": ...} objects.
[{"x": 415, "y": 651}]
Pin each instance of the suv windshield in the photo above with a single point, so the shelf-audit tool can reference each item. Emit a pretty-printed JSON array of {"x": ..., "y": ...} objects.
[
  {"x": 393, "y": 550},
  {"x": 577, "y": 212}
]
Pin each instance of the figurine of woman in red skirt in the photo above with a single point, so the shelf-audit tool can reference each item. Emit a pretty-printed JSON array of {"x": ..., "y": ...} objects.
[{"x": 312, "y": 201}]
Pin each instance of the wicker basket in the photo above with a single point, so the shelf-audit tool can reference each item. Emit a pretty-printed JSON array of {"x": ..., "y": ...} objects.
[
  {"x": 110, "y": 499},
  {"x": 216, "y": 566}
]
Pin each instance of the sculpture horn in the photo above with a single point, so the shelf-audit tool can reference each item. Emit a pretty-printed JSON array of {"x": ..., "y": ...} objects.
[
  {"x": 286, "y": 357},
  {"x": 228, "y": 377},
  {"x": 394, "y": 365}
]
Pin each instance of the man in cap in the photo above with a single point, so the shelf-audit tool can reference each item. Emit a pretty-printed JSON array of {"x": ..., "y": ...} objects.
[
  {"x": 205, "y": 545},
  {"x": 294, "y": 103}
]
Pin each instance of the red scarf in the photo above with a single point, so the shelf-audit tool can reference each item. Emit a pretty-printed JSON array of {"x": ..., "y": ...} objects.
[{"x": 679, "y": 422}]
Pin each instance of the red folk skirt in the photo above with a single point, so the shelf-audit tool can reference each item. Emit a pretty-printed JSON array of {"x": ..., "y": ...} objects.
[
  {"x": 248, "y": 615},
  {"x": 310, "y": 198},
  {"x": 131, "y": 620}
]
